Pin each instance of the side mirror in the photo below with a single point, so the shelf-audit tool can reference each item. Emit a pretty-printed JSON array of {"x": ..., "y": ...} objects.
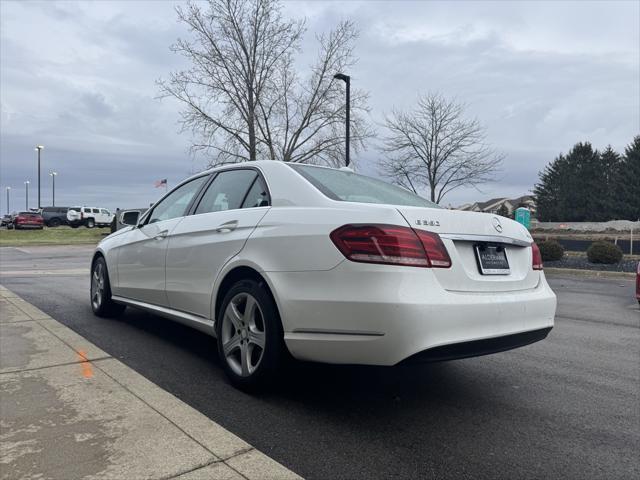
[{"x": 130, "y": 218}]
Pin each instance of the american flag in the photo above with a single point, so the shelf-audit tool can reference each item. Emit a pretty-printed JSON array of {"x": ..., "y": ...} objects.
[{"x": 161, "y": 183}]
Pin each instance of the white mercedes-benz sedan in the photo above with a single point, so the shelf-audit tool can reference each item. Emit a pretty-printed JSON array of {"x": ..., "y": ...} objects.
[{"x": 325, "y": 265}]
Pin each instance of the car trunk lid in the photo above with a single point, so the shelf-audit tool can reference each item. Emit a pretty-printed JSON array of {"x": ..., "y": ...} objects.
[{"x": 461, "y": 233}]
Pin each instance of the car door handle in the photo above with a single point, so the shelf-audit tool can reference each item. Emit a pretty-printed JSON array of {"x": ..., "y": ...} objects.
[
  {"x": 161, "y": 235},
  {"x": 227, "y": 227}
]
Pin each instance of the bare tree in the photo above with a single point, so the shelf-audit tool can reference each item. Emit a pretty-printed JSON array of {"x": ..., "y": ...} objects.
[
  {"x": 243, "y": 98},
  {"x": 237, "y": 46},
  {"x": 303, "y": 121},
  {"x": 436, "y": 148}
]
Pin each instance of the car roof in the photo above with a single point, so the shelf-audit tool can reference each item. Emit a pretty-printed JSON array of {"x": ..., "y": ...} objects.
[{"x": 286, "y": 186}]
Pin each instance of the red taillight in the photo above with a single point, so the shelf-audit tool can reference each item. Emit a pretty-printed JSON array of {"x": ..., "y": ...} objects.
[
  {"x": 536, "y": 257},
  {"x": 435, "y": 249},
  {"x": 391, "y": 244}
]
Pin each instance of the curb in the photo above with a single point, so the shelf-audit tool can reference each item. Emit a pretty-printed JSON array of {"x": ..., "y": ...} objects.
[
  {"x": 81, "y": 374},
  {"x": 588, "y": 273}
]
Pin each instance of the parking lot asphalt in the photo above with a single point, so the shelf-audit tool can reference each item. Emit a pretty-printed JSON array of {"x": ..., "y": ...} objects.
[{"x": 568, "y": 406}]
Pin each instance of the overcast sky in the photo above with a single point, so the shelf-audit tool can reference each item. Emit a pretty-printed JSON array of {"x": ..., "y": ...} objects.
[{"x": 79, "y": 78}]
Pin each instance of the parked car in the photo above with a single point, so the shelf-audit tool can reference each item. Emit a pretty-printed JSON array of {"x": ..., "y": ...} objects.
[
  {"x": 23, "y": 220},
  {"x": 89, "y": 216},
  {"x": 55, "y": 216},
  {"x": 638, "y": 283},
  {"x": 6, "y": 220},
  {"x": 328, "y": 265}
]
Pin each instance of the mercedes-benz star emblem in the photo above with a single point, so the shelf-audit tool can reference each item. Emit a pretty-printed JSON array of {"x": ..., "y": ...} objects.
[{"x": 497, "y": 225}]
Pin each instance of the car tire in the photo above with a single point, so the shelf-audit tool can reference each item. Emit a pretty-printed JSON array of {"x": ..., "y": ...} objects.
[
  {"x": 10, "y": 226},
  {"x": 250, "y": 342},
  {"x": 91, "y": 223},
  {"x": 54, "y": 222},
  {"x": 100, "y": 291}
]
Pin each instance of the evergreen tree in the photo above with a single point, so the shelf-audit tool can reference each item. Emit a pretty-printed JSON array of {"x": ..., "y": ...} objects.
[
  {"x": 548, "y": 191},
  {"x": 569, "y": 187},
  {"x": 629, "y": 183},
  {"x": 609, "y": 200},
  {"x": 586, "y": 185}
]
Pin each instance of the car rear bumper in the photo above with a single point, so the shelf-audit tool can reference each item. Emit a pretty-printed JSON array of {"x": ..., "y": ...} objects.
[
  {"x": 29, "y": 225},
  {"x": 378, "y": 315},
  {"x": 476, "y": 348}
]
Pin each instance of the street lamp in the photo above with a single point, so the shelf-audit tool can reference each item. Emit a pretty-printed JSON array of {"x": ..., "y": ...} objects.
[
  {"x": 39, "y": 148},
  {"x": 53, "y": 179},
  {"x": 346, "y": 79},
  {"x": 26, "y": 193},
  {"x": 8, "y": 190}
]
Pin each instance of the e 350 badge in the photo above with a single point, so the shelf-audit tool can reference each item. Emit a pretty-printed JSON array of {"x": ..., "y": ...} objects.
[{"x": 428, "y": 223}]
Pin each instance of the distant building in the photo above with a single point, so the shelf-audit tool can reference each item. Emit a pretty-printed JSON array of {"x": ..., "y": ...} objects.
[{"x": 493, "y": 205}]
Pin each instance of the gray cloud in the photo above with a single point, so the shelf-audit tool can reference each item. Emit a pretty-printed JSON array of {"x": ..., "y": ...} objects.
[{"x": 79, "y": 77}]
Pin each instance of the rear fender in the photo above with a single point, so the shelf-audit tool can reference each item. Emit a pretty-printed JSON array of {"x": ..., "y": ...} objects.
[{"x": 293, "y": 239}]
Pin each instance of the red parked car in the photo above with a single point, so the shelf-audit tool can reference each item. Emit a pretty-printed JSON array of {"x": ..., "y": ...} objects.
[
  {"x": 638, "y": 283},
  {"x": 26, "y": 220}
]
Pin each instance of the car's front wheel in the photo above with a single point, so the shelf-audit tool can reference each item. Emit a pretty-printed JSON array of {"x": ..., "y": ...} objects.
[
  {"x": 91, "y": 223},
  {"x": 55, "y": 222},
  {"x": 249, "y": 336},
  {"x": 101, "y": 302}
]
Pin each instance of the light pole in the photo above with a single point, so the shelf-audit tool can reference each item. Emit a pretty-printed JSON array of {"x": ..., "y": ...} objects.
[
  {"x": 346, "y": 79},
  {"x": 39, "y": 148},
  {"x": 53, "y": 179},
  {"x": 26, "y": 194},
  {"x": 8, "y": 190}
]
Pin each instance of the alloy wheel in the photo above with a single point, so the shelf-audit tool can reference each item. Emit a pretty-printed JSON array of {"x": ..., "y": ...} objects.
[
  {"x": 97, "y": 286},
  {"x": 243, "y": 334}
]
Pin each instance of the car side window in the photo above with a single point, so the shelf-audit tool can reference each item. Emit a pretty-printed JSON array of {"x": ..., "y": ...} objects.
[
  {"x": 227, "y": 191},
  {"x": 257, "y": 196},
  {"x": 95, "y": 210},
  {"x": 176, "y": 203},
  {"x": 105, "y": 212},
  {"x": 87, "y": 210}
]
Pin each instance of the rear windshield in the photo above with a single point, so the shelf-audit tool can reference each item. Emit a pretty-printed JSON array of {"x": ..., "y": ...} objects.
[{"x": 347, "y": 186}]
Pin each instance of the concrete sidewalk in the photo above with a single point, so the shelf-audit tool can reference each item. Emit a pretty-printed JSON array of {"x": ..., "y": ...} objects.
[{"x": 70, "y": 411}]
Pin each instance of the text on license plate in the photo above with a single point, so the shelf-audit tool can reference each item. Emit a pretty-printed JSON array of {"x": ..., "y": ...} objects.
[{"x": 492, "y": 259}]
